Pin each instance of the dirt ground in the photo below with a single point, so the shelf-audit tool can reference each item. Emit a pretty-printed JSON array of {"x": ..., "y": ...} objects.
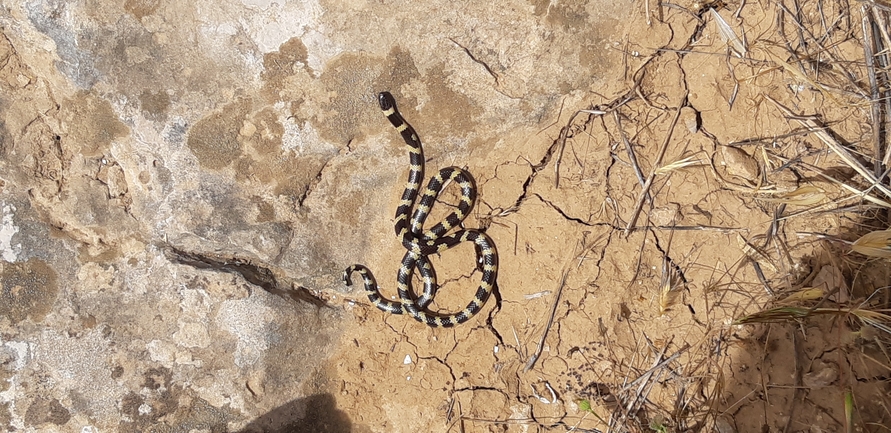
[
  {"x": 596, "y": 325},
  {"x": 616, "y": 309}
]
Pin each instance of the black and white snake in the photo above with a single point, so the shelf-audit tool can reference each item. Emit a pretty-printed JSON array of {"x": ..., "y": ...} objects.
[{"x": 419, "y": 243}]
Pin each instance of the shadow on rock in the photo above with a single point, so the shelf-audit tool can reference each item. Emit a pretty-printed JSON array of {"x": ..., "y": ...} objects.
[{"x": 316, "y": 413}]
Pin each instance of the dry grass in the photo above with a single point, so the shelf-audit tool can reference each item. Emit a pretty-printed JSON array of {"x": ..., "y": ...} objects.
[
  {"x": 694, "y": 381},
  {"x": 682, "y": 386}
]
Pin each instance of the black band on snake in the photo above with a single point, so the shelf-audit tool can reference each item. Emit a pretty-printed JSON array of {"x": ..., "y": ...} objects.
[{"x": 419, "y": 243}]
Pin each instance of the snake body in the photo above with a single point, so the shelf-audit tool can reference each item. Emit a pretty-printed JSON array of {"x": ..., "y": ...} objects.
[{"x": 420, "y": 243}]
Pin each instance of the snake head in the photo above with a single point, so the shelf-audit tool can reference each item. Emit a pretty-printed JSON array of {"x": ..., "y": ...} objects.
[{"x": 386, "y": 101}]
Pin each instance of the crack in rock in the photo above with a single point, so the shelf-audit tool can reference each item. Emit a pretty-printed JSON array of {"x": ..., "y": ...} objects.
[{"x": 258, "y": 275}]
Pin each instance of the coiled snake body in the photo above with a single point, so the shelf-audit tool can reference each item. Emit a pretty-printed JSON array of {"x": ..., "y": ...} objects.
[{"x": 419, "y": 243}]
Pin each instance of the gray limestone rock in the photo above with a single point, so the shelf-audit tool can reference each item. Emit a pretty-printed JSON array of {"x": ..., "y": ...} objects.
[{"x": 182, "y": 183}]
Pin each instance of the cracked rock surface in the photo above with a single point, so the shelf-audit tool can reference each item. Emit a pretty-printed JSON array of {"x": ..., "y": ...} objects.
[{"x": 182, "y": 184}]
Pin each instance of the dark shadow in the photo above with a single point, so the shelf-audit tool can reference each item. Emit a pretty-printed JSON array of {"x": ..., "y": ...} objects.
[{"x": 316, "y": 413}]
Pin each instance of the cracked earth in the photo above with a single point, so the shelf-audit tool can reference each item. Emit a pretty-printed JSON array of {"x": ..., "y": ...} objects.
[{"x": 183, "y": 185}]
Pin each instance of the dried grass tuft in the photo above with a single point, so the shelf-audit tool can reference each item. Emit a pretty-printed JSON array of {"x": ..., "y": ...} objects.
[
  {"x": 808, "y": 195},
  {"x": 874, "y": 244}
]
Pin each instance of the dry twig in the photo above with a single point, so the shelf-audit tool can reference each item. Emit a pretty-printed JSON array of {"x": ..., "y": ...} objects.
[
  {"x": 658, "y": 163},
  {"x": 544, "y": 335}
]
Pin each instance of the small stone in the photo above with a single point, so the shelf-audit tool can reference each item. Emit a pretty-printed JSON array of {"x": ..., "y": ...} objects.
[
  {"x": 820, "y": 376},
  {"x": 407, "y": 360},
  {"x": 691, "y": 119},
  {"x": 739, "y": 163},
  {"x": 666, "y": 215}
]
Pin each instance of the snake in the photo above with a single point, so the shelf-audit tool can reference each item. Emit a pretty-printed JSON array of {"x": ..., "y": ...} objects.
[{"x": 420, "y": 243}]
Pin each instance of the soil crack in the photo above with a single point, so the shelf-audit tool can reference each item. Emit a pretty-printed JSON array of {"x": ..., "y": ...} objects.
[{"x": 572, "y": 218}]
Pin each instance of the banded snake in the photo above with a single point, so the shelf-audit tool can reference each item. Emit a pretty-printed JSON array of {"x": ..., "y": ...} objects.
[{"x": 419, "y": 244}]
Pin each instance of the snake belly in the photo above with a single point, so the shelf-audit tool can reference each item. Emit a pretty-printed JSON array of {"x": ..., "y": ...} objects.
[{"x": 419, "y": 243}]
